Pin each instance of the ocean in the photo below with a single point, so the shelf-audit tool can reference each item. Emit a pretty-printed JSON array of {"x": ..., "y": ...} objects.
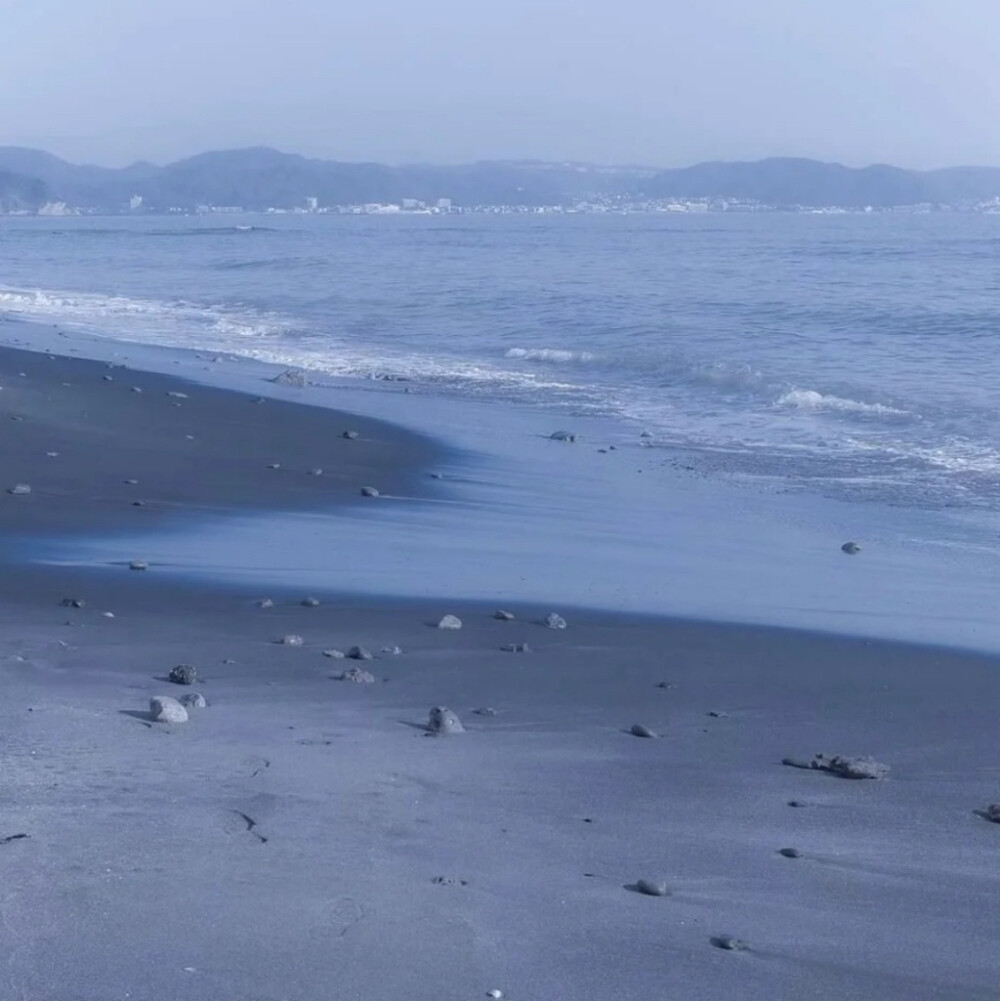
[{"x": 797, "y": 380}]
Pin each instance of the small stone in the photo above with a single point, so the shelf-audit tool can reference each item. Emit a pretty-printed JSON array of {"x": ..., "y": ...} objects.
[
  {"x": 72, "y": 603},
  {"x": 369, "y": 492},
  {"x": 265, "y": 603},
  {"x": 449, "y": 881},
  {"x": 183, "y": 674},
  {"x": 553, "y": 621},
  {"x": 19, "y": 489},
  {"x": 52, "y": 455},
  {"x": 359, "y": 653},
  {"x": 562, "y": 436},
  {"x": 358, "y": 675},
  {"x": 797, "y": 804},
  {"x": 107, "y": 378},
  {"x": 138, "y": 565},
  {"x": 310, "y": 602},
  {"x": 485, "y": 711},
  {"x": 193, "y": 700},
  {"x": 334, "y": 654},
  {"x": 665, "y": 684},
  {"x": 789, "y": 852},
  {"x": 495, "y": 994},
  {"x": 190, "y": 437},
  {"x": 850, "y": 548},
  {"x": 137, "y": 389},
  {"x": 715, "y": 714},
  {"x": 503, "y": 616},
  {"x": 993, "y": 812},
  {"x": 290, "y": 378},
  {"x": 392, "y": 651},
  {"x": 174, "y": 394},
  {"x": 316, "y": 472},
  {"x": 652, "y": 888},
  {"x": 274, "y": 465},
  {"x": 350, "y": 435},
  {"x": 729, "y": 943},
  {"x": 131, "y": 483},
  {"x": 291, "y": 640},
  {"x": 450, "y": 622},
  {"x": 138, "y": 503},
  {"x": 863, "y": 767},
  {"x": 108, "y": 615},
  {"x": 164, "y": 709},
  {"x": 639, "y": 730},
  {"x": 516, "y": 648},
  {"x": 646, "y": 434},
  {"x": 443, "y": 722}
]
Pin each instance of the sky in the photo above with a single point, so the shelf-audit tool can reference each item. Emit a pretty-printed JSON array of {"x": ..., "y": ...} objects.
[{"x": 655, "y": 82}]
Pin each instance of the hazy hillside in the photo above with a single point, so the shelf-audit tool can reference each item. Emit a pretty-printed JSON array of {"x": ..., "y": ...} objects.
[{"x": 260, "y": 178}]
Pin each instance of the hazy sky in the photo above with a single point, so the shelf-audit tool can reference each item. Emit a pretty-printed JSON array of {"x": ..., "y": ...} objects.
[{"x": 913, "y": 82}]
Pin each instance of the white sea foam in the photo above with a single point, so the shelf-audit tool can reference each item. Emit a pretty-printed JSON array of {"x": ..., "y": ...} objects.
[
  {"x": 548, "y": 354},
  {"x": 809, "y": 399}
]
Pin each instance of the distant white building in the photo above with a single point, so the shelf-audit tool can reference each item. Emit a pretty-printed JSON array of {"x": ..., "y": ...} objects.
[
  {"x": 55, "y": 208},
  {"x": 443, "y": 204},
  {"x": 412, "y": 204},
  {"x": 312, "y": 203},
  {"x": 135, "y": 203}
]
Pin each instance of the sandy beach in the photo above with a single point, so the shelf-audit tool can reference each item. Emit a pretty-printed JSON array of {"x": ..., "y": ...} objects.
[{"x": 304, "y": 838}]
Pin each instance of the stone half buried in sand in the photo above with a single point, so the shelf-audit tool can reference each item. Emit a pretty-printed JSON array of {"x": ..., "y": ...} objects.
[
  {"x": 369, "y": 492},
  {"x": 360, "y": 653},
  {"x": 290, "y": 377},
  {"x": 291, "y": 640},
  {"x": 164, "y": 709},
  {"x": 851, "y": 548},
  {"x": 443, "y": 722},
  {"x": 19, "y": 489},
  {"x": 357, "y": 675},
  {"x": 554, "y": 621},
  {"x": 652, "y": 887},
  {"x": 193, "y": 700},
  {"x": 450, "y": 622},
  {"x": 183, "y": 674},
  {"x": 640, "y": 730},
  {"x": 847, "y": 767},
  {"x": 562, "y": 436}
]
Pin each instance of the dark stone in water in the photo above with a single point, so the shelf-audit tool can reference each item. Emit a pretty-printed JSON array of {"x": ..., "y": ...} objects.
[{"x": 183, "y": 674}]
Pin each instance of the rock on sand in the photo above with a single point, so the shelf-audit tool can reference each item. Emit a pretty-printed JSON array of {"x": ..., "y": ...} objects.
[
  {"x": 553, "y": 621},
  {"x": 359, "y": 653},
  {"x": 19, "y": 489},
  {"x": 562, "y": 436},
  {"x": 450, "y": 622},
  {"x": 652, "y": 887},
  {"x": 358, "y": 675},
  {"x": 993, "y": 812},
  {"x": 164, "y": 709},
  {"x": 503, "y": 616},
  {"x": 291, "y": 640},
  {"x": 850, "y": 548},
  {"x": 183, "y": 674},
  {"x": 290, "y": 378},
  {"x": 443, "y": 722},
  {"x": 639, "y": 730},
  {"x": 369, "y": 492},
  {"x": 193, "y": 700}
]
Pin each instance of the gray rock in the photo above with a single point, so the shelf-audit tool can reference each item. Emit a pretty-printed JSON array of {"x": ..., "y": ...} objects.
[
  {"x": 193, "y": 700},
  {"x": 72, "y": 603},
  {"x": 334, "y": 654},
  {"x": 646, "y": 434},
  {"x": 183, "y": 674},
  {"x": 369, "y": 492},
  {"x": 137, "y": 389},
  {"x": 177, "y": 395},
  {"x": 639, "y": 730},
  {"x": 503, "y": 616},
  {"x": 450, "y": 622},
  {"x": 392, "y": 651},
  {"x": 164, "y": 709},
  {"x": 291, "y": 640},
  {"x": 310, "y": 602},
  {"x": 652, "y": 888},
  {"x": 450, "y": 881},
  {"x": 485, "y": 711},
  {"x": 274, "y": 465},
  {"x": 316, "y": 472},
  {"x": 138, "y": 565},
  {"x": 789, "y": 852},
  {"x": 862, "y": 767},
  {"x": 359, "y": 653},
  {"x": 443, "y": 722},
  {"x": 729, "y": 943},
  {"x": 289, "y": 378},
  {"x": 553, "y": 621},
  {"x": 562, "y": 436},
  {"x": 850, "y": 548},
  {"x": 358, "y": 675},
  {"x": 19, "y": 489},
  {"x": 107, "y": 378},
  {"x": 138, "y": 503},
  {"x": 993, "y": 812},
  {"x": 516, "y": 648},
  {"x": 131, "y": 483},
  {"x": 350, "y": 435}
]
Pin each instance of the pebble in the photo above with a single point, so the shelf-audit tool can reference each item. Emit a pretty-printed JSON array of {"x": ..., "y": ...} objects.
[
  {"x": 652, "y": 888},
  {"x": 516, "y": 648},
  {"x": 316, "y": 472},
  {"x": 503, "y": 616},
  {"x": 993, "y": 812},
  {"x": 392, "y": 651},
  {"x": 495, "y": 993},
  {"x": 19, "y": 489},
  {"x": 137, "y": 389},
  {"x": 443, "y": 721},
  {"x": 174, "y": 394},
  {"x": 72, "y": 603},
  {"x": 562, "y": 436},
  {"x": 715, "y": 714},
  {"x": 358, "y": 675},
  {"x": 335, "y": 654},
  {"x": 350, "y": 435},
  {"x": 369, "y": 492},
  {"x": 850, "y": 548},
  {"x": 789, "y": 852},
  {"x": 131, "y": 483},
  {"x": 359, "y": 653},
  {"x": 274, "y": 465},
  {"x": 265, "y": 603},
  {"x": 291, "y": 640},
  {"x": 52, "y": 455},
  {"x": 164, "y": 709},
  {"x": 638, "y": 730},
  {"x": 864, "y": 767},
  {"x": 193, "y": 700},
  {"x": 553, "y": 621},
  {"x": 183, "y": 674},
  {"x": 729, "y": 943},
  {"x": 310, "y": 602},
  {"x": 138, "y": 565},
  {"x": 450, "y": 622},
  {"x": 484, "y": 711}
]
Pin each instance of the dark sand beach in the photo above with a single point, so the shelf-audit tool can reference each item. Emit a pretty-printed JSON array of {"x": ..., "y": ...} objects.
[{"x": 304, "y": 838}]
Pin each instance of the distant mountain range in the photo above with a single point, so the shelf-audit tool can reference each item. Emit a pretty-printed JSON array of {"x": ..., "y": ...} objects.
[{"x": 261, "y": 178}]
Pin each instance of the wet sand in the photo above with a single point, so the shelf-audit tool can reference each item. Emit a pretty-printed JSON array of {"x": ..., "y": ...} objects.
[{"x": 284, "y": 844}]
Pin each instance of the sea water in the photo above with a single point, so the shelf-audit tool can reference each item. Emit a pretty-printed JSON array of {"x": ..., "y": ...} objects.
[{"x": 790, "y": 373}]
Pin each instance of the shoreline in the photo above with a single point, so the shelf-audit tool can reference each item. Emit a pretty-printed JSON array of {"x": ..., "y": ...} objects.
[{"x": 301, "y": 829}]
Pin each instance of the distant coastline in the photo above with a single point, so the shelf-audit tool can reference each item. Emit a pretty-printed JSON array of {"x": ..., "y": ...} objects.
[{"x": 33, "y": 182}]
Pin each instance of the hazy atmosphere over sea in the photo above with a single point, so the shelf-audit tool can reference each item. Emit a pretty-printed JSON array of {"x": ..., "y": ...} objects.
[{"x": 499, "y": 501}]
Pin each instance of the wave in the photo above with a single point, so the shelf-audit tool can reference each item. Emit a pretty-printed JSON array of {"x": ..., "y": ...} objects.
[
  {"x": 548, "y": 354},
  {"x": 810, "y": 399}
]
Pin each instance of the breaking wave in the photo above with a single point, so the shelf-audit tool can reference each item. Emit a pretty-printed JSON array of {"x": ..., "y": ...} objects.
[
  {"x": 809, "y": 399},
  {"x": 548, "y": 354}
]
